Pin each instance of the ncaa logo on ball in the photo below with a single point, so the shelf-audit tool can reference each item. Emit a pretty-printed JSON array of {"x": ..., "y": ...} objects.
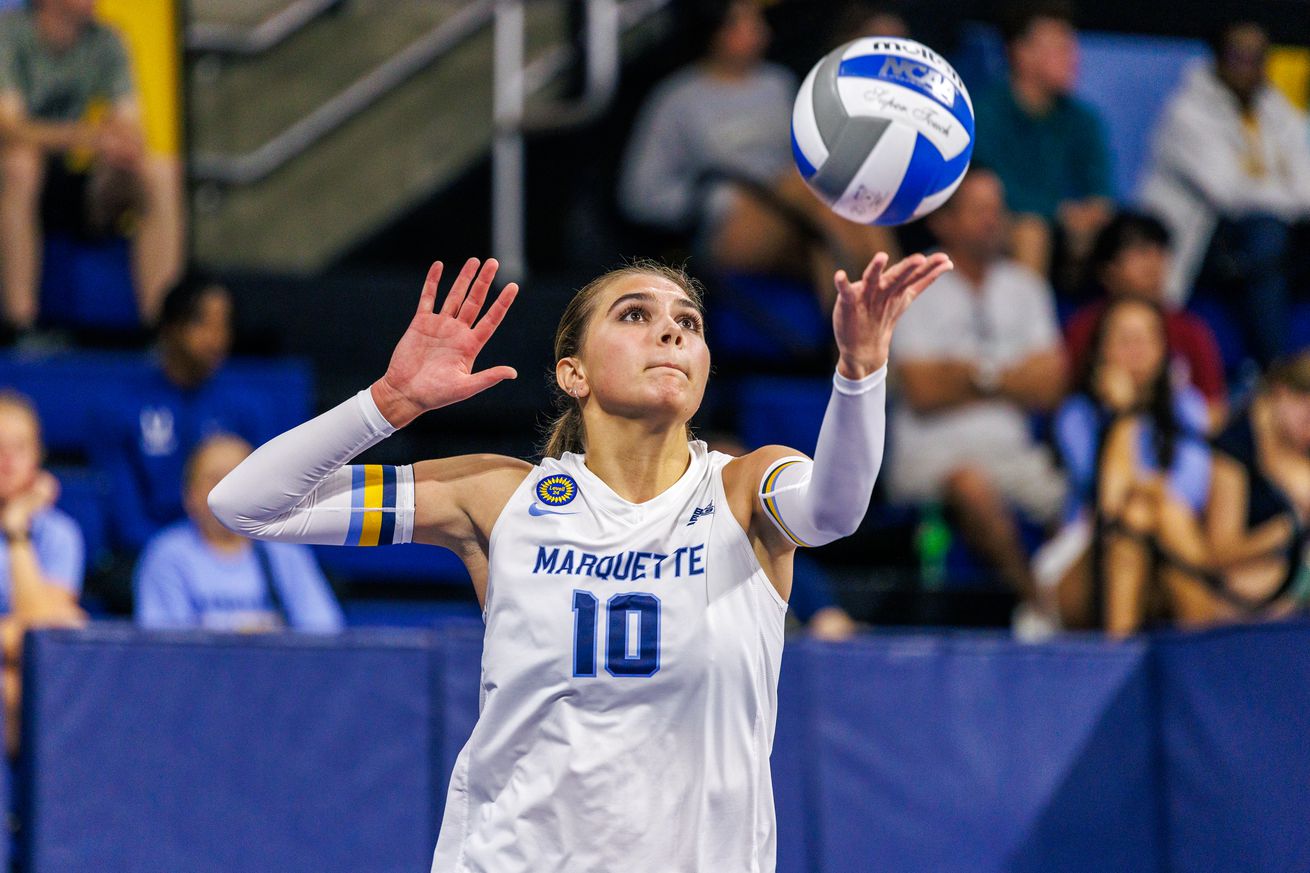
[
  {"x": 919, "y": 76},
  {"x": 557, "y": 490}
]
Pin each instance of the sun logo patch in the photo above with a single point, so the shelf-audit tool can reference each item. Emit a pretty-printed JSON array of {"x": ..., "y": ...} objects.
[{"x": 557, "y": 490}]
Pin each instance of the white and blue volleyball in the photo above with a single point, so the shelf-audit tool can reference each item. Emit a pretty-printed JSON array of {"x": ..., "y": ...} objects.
[{"x": 882, "y": 130}]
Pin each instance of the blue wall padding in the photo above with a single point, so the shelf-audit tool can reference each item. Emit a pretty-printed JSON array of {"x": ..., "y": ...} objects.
[
  {"x": 896, "y": 753},
  {"x": 963, "y": 755},
  {"x": 1235, "y": 710},
  {"x": 208, "y": 753}
]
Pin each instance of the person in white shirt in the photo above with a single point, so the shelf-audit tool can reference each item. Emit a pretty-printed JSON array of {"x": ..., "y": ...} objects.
[
  {"x": 1230, "y": 175},
  {"x": 973, "y": 360}
]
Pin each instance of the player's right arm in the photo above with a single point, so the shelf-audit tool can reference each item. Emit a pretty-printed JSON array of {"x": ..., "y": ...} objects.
[{"x": 300, "y": 487}]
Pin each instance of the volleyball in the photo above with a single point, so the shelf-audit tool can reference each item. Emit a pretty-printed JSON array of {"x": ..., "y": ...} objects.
[{"x": 882, "y": 130}]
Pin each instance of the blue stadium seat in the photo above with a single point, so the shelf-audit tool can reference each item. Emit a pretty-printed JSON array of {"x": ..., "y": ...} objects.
[
  {"x": 82, "y": 495},
  {"x": 763, "y": 318},
  {"x": 88, "y": 284},
  {"x": 785, "y": 410},
  {"x": 66, "y": 387},
  {"x": 407, "y": 563},
  {"x": 1130, "y": 79}
]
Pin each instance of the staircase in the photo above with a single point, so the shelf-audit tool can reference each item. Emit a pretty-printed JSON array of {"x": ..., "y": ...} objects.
[{"x": 394, "y": 153}]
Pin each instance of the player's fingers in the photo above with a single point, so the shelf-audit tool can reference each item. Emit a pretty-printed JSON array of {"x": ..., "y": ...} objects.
[
  {"x": 484, "y": 379},
  {"x": 877, "y": 264},
  {"x": 472, "y": 305},
  {"x": 455, "y": 297},
  {"x": 487, "y": 326},
  {"x": 427, "y": 300},
  {"x": 843, "y": 283},
  {"x": 896, "y": 273},
  {"x": 931, "y": 272}
]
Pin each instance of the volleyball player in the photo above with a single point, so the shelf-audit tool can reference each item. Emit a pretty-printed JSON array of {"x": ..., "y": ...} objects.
[{"x": 633, "y": 583}]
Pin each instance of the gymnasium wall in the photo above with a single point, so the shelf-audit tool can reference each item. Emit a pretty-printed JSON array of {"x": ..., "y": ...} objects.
[{"x": 201, "y": 752}]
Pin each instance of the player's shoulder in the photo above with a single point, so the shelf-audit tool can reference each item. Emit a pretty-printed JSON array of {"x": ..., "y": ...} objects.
[{"x": 746, "y": 472}]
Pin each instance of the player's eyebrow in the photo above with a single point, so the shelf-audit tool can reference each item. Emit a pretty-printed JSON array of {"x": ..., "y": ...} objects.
[{"x": 647, "y": 297}]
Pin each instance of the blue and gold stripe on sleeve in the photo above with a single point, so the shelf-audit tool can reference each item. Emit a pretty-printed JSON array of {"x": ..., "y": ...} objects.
[
  {"x": 372, "y": 505},
  {"x": 771, "y": 503}
]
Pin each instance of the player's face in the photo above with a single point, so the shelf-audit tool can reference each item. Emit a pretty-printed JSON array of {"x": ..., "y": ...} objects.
[
  {"x": 216, "y": 460},
  {"x": 644, "y": 350},
  {"x": 1139, "y": 270},
  {"x": 976, "y": 221},
  {"x": 1050, "y": 53},
  {"x": 20, "y": 450},
  {"x": 207, "y": 338},
  {"x": 1135, "y": 342},
  {"x": 1291, "y": 414},
  {"x": 744, "y": 37},
  {"x": 1242, "y": 64}
]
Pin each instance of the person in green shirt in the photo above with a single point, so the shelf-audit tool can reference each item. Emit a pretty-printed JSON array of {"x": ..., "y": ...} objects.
[
  {"x": 1048, "y": 147},
  {"x": 67, "y": 106}
]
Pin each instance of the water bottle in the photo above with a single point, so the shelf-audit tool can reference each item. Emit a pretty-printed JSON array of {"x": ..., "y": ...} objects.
[{"x": 932, "y": 540}]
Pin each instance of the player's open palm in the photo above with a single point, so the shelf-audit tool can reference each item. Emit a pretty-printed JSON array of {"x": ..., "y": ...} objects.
[
  {"x": 432, "y": 365},
  {"x": 866, "y": 311}
]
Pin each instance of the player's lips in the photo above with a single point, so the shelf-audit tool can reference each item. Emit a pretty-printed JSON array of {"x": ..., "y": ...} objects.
[{"x": 668, "y": 366}]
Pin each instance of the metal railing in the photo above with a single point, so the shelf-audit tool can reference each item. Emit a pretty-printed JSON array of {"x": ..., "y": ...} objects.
[
  {"x": 606, "y": 20},
  {"x": 237, "y": 40}
]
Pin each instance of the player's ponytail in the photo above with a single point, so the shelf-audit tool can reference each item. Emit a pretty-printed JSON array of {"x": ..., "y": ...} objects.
[{"x": 567, "y": 432}]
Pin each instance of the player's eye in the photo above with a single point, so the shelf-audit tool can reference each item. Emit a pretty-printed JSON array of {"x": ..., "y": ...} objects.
[
  {"x": 636, "y": 310},
  {"x": 690, "y": 322}
]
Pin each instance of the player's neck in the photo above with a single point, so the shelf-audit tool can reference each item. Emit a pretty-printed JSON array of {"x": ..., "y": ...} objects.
[{"x": 636, "y": 463}]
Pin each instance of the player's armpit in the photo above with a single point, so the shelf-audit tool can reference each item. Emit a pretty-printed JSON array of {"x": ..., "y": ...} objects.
[{"x": 458, "y": 500}]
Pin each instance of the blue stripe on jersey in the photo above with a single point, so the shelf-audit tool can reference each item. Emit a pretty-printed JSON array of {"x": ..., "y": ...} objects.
[
  {"x": 920, "y": 176},
  {"x": 356, "y": 505}
]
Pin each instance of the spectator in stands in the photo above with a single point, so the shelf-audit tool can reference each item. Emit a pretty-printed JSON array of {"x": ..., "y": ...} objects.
[
  {"x": 41, "y": 558},
  {"x": 198, "y": 574},
  {"x": 69, "y": 114},
  {"x": 710, "y": 156},
  {"x": 147, "y": 438},
  {"x": 974, "y": 359},
  {"x": 1133, "y": 447},
  {"x": 1048, "y": 147},
  {"x": 1230, "y": 175},
  {"x": 1131, "y": 258},
  {"x": 1255, "y": 533}
]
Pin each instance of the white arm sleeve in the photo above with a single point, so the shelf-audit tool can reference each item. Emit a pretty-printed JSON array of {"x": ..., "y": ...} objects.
[
  {"x": 816, "y": 502},
  {"x": 296, "y": 487}
]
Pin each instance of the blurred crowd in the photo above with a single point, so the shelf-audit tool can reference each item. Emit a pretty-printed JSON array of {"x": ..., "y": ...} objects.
[{"x": 1055, "y": 400}]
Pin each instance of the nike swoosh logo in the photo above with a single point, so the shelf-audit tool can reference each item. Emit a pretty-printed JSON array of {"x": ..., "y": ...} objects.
[{"x": 534, "y": 509}]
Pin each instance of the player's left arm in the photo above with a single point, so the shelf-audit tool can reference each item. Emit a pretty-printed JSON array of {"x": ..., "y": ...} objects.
[{"x": 798, "y": 501}]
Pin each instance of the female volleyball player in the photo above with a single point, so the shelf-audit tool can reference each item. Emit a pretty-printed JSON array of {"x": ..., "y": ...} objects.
[{"x": 633, "y": 584}]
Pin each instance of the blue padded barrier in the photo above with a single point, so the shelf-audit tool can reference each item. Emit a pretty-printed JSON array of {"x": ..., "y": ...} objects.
[
  {"x": 85, "y": 284},
  {"x": 408, "y": 562},
  {"x": 1235, "y": 709},
  {"x": 899, "y": 753},
  {"x": 203, "y": 752},
  {"x": 980, "y": 754}
]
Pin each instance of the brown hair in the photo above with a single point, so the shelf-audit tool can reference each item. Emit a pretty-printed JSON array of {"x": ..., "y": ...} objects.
[
  {"x": 566, "y": 432},
  {"x": 21, "y": 402},
  {"x": 1292, "y": 372}
]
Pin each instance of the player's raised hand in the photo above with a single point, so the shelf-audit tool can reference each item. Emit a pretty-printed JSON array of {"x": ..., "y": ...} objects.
[
  {"x": 866, "y": 311},
  {"x": 432, "y": 365}
]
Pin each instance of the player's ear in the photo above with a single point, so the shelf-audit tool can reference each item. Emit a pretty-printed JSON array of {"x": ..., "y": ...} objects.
[{"x": 571, "y": 378}]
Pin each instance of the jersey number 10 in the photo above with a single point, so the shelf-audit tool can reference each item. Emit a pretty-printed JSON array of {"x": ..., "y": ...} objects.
[{"x": 632, "y": 634}]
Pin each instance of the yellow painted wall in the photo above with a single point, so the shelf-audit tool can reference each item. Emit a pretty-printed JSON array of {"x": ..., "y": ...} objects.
[
  {"x": 1289, "y": 71},
  {"x": 149, "y": 28}
]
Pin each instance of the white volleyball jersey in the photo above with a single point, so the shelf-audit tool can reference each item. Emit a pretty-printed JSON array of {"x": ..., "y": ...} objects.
[{"x": 629, "y": 686}]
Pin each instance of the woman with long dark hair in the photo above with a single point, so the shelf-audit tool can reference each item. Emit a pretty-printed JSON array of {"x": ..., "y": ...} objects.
[{"x": 1127, "y": 435}]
